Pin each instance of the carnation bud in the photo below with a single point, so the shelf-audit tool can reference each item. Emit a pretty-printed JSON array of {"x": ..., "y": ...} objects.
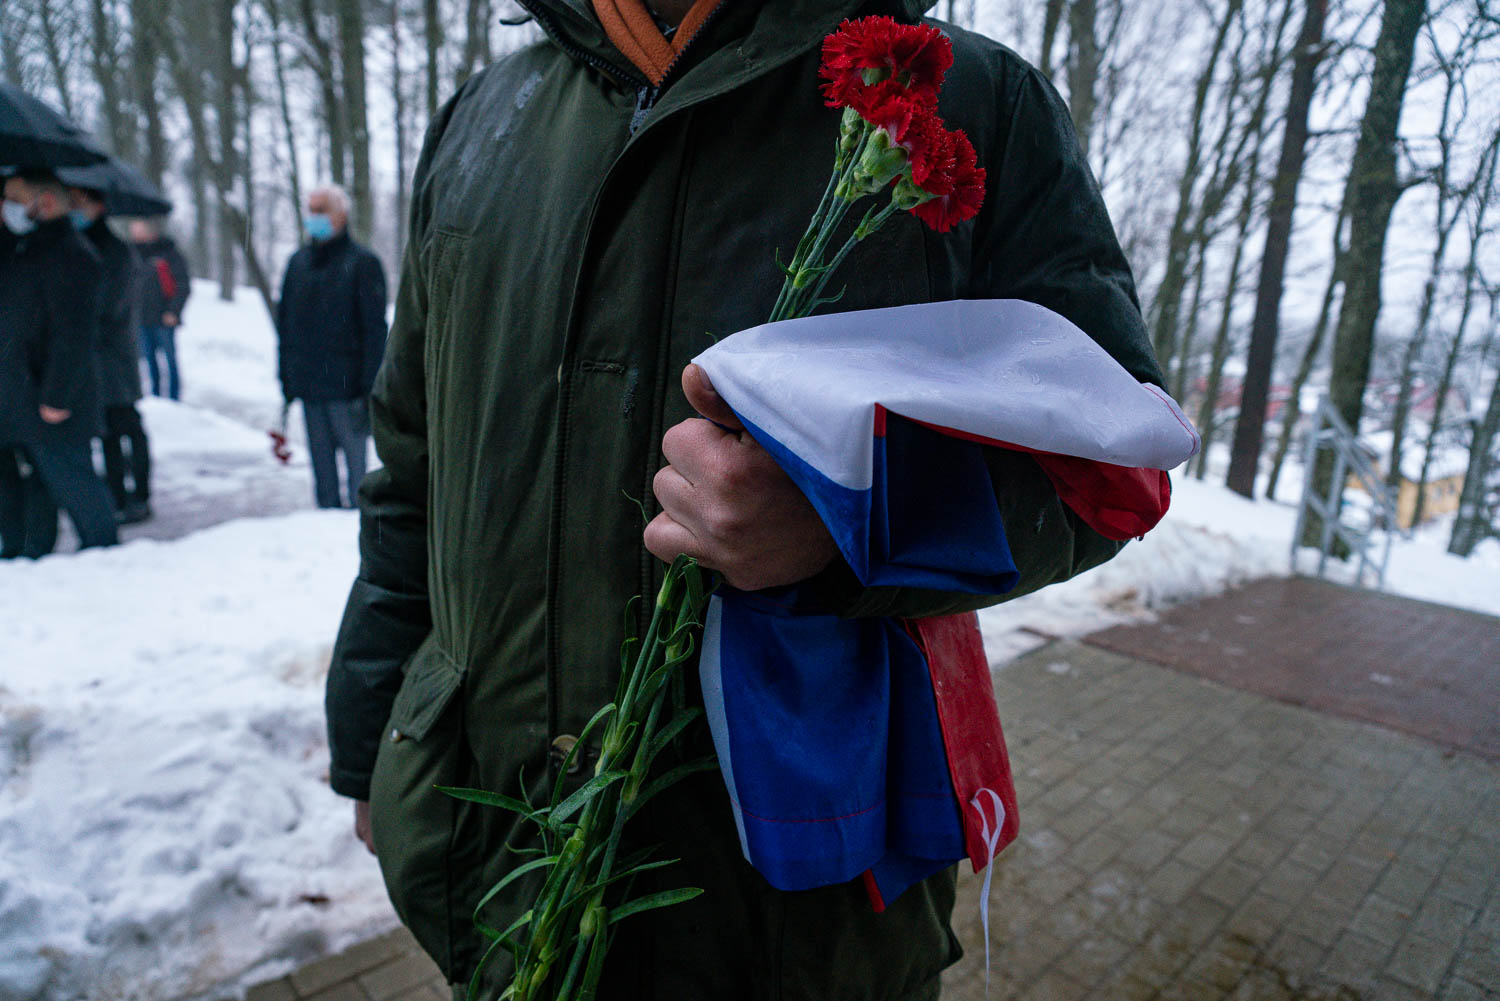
[
  {"x": 883, "y": 161},
  {"x": 851, "y": 127},
  {"x": 908, "y": 196}
]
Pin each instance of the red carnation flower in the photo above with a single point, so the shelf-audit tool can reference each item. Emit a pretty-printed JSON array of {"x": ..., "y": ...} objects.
[
  {"x": 875, "y": 59},
  {"x": 933, "y": 152},
  {"x": 963, "y": 199}
]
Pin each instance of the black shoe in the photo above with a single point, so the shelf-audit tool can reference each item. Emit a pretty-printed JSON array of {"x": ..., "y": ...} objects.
[{"x": 135, "y": 512}]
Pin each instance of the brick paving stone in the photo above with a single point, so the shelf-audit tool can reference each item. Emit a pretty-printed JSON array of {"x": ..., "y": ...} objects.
[
  {"x": 1229, "y": 882},
  {"x": 397, "y": 977},
  {"x": 1421, "y": 668},
  {"x": 1355, "y": 961},
  {"x": 273, "y": 990},
  {"x": 1381, "y": 920},
  {"x": 344, "y": 990},
  {"x": 1421, "y": 962},
  {"x": 1173, "y": 881}
]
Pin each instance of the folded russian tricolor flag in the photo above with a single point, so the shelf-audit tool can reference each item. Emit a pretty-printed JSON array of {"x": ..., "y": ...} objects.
[{"x": 872, "y": 747}]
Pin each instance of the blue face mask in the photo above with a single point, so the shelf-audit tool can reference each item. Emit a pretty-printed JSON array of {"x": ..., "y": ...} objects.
[
  {"x": 16, "y": 218},
  {"x": 80, "y": 220},
  {"x": 318, "y": 226}
]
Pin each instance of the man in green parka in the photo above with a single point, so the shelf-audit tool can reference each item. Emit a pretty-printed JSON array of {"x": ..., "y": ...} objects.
[{"x": 585, "y": 212}]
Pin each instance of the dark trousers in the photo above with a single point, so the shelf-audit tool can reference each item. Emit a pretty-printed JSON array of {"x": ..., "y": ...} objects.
[
  {"x": 159, "y": 343},
  {"x": 59, "y": 475},
  {"x": 126, "y": 452},
  {"x": 337, "y": 426}
]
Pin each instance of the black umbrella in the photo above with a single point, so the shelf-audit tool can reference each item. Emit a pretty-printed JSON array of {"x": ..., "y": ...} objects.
[
  {"x": 33, "y": 135},
  {"x": 125, "y": 189}
]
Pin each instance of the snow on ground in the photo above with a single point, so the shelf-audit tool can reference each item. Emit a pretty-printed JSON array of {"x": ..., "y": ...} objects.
[
  {"x": 167, "y": 826},
  {"x": 164, "y": 804},
  {"x": 1213, "y": 539}
]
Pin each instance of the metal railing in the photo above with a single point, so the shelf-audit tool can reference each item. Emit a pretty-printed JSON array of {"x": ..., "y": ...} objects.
[{"x": 1330, "y": 431}]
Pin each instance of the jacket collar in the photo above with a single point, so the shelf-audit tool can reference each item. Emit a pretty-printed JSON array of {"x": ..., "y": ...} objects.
[
  {"x": 47, "y": 233},
  {"x": 781, "y": 30},
  {"x": 335, "y": 244}
]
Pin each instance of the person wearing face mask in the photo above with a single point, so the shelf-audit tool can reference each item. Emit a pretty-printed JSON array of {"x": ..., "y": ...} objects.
[
  {"x": 165, "y": 285},
  {"x": 126, "y": 450},
  {"x": 50, "y": 301},
  {"x": 330, "y": 326}
]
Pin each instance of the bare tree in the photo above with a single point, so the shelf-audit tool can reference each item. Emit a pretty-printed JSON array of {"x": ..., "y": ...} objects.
[
  {"x": 432, "y": 29},
  {"x": 1050, "y": 21},
  {"x": 1372, "y": 190},
  {"x": 1480, "y": 497},
  {"x": 273, "y": 10},
  {"x": 1083, "y": 67},
  {"x": 321, "y": 58},
  {"x": 1168, "y": 301},
  {"x": 1253, "y": 137},
  {"x": 1450, "y": 202},
  {"x": 1250, "y": 426},
  {"x": 144, "y": 61},
  {"x": 351, "y": 18},
  {"x": 1477, "y": 233},
  {"x": 48, "y": 15}
]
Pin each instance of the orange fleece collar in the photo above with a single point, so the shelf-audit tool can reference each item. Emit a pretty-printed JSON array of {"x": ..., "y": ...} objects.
[{"x": 633, "y": 31}]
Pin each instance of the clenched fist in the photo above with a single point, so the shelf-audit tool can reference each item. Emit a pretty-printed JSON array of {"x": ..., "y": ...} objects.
[{"x": 727, "y": 503}]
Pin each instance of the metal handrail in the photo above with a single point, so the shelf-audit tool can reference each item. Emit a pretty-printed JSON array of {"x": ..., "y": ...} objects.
[{"x": 1330, "y": 430}]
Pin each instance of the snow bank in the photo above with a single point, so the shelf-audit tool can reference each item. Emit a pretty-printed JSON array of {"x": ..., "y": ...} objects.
[
  {"x": 168, "y": 828},
  {"x": 1213, "y": 539}
]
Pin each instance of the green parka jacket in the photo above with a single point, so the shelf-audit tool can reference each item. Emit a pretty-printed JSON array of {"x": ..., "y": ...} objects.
[{"x": 576, "y": 238}]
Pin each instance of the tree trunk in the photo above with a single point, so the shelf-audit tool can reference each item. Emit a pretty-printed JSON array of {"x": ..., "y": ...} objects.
[
  {"x": 1168, "y": 300},
  {"x": 1050, "y": 21},
  {"x": 1083, "y": 67},
  {"x": 432, "y": 27},
  {"x": 1477, "y": 233},
  {"x": 352, "y": 43},
  {"x": 10, "y": 48},
  {"x": 398, "y": 101},
  {"x": 476, "y": 39},
  {"x": 1249, "y": 428},
  {"x": 104, "y": 60},
  {"x": 143, "y": 63},
  {"x": 1371, "y": 197},
  {"x": 328, "y": 84},
  {"x": 1292, "y": 413},
  {"x": 47, "y": 13},
  {"x": 189, "y": 87},
  {"x": 273, "y": 8},
  {"x": 1473, "y": 521},
  {"x": 227, "y": 117}
]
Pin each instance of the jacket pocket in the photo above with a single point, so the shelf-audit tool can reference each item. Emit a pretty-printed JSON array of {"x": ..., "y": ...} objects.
[{"x": 414, "y": 824}]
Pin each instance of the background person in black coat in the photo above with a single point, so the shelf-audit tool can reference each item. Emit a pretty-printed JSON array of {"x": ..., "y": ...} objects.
[
  {"x": 49, "y": 379},
  {"x": 126, "y": 451},
  {"x": 330, "y": 325},
  {"x": 165, "y": 284}
]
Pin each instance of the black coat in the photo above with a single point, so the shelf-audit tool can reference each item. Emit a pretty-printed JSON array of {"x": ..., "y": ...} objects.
[
  {"x": 119, "y": 347},
  {"x": 49, "y": 335},
  {"x": 163, "y": 270},
  {"x": 330, "y": 321}
]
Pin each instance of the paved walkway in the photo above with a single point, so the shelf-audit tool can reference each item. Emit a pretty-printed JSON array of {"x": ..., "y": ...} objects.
[
  {"x": 1183, "y": 840},
  {"x": 1427, "y": 669}
]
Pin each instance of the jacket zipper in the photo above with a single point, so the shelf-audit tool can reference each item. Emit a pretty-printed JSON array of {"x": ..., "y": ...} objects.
[{"x": 647, "y": 95}]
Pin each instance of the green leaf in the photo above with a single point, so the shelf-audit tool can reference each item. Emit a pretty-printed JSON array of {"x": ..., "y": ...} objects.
[
  {"x": 653, "y": 901},
  {"x": 572, "y": 754},
  {"x": 671, "y": 778},
  {"x": 509, "y": 878},
  {"x": 679, "y": 722},
  {"x": 486, "y": 798},
  {"x": 582, "y": 795}
]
